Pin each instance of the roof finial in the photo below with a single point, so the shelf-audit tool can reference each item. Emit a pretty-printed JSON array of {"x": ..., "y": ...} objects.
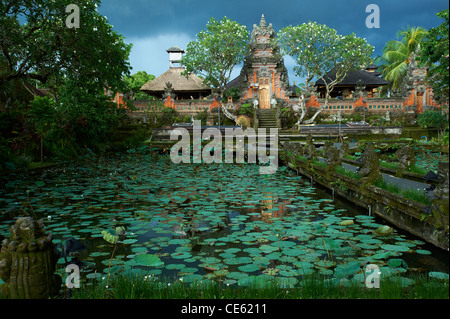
[{"x": 262, "y": 23}]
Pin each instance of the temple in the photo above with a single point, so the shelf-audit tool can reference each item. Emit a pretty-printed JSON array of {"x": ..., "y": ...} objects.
[
  {"x": 264, "y": 83},
  {"x": 263, "y": 75},
  {"x": 367, "y": 80}
]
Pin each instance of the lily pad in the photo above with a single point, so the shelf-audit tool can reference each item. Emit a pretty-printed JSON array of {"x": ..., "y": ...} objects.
[
  {"x": 148, "y": 260},
  {"x": 438, "y": 275},
  {"x": 249, "y": 268}
]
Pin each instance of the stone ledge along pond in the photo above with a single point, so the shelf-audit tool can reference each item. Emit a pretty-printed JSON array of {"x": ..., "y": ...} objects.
[{"x": 223, "y": 221}]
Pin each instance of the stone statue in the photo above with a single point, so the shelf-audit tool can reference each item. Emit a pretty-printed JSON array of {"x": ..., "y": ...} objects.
[
  {"x": 255, "y": 103},
  {"x": 343, "y": 150},
  {"x": 273, "y": 102},
  {"x": 370, "y": 170},
  {"x": 310, "y": 150},
  {"x": 440, "y": 205},
  {"x": 406, "y": 158},
  {"x": 169, "y": 91},
  {"x": 332, "y": 158},
  {"x": 28, "y": 262}
]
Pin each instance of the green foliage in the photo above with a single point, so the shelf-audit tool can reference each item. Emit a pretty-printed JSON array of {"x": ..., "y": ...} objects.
[
  {"x": 217, "y": 50},
  {"x": 42, "y": 114},
  {"x": 136, "y": 81},
  {"x": 347, "y": 172},
  {"x": 435, "y": 52},
  {"x": 432, "y": 119},
  {"x": 202, "y": 116},
  {"x": 318, "y": 49},
  {"x": 43, "y": 47},
  {"x": 433, "y": 286},
  {"x": 413, "y": 194},
  {"x": 234, "y": 93},
  {"x": 246, "y": 109},
  {"x": 43, "y": 51},
  {"x": 397, "y": 55}
]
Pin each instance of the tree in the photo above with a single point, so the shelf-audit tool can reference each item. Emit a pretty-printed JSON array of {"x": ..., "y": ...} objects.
[
  {"x": 136, "y": 81},
  {"x": 42, "y": 114},
  {"x": 41, "y": 46},
  {"x": 318, "y": 49},
  {"x": 397, "y": 55},
  {"x": 215, "y": 53},
  {"x": 433, "y": 119},
  {"x": 435, "y": 54},
  {"x": 38, "y": 46}
]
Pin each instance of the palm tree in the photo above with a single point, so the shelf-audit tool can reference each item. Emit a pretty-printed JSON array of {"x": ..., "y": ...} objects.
[{"x": 397, "y": 55}]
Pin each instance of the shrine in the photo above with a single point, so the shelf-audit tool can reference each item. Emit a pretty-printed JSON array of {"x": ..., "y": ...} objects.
[{"x": 264, "y": 77}]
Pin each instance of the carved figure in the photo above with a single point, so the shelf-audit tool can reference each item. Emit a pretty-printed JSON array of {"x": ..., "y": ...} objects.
[{"x": 28, "y": 262}]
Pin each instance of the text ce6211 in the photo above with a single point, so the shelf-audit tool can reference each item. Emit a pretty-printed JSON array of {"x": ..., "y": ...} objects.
[{"x": 245, "y": 308}]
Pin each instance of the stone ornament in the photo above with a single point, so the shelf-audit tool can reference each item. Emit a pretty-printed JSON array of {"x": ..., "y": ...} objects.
[{"x": 28, "y": 262}]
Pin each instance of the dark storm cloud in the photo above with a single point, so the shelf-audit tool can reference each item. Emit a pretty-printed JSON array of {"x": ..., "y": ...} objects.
[{"x": 156, "y": 19}]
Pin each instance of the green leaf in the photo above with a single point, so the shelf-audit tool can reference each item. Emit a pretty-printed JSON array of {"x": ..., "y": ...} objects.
[
  {"x": 110, "y": 238},
  {"x": 396, "y": 263},
  {"x": 148, "y": 260},
  {"x": 438, "y": 275}
]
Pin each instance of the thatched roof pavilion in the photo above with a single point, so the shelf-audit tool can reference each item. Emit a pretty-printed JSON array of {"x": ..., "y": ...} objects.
[{"x": 191, "y": 87}]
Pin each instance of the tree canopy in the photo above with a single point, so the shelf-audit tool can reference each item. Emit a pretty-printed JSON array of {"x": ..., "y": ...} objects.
[
  {"x": 318, "y": 49},
  {"x": 435, "y": 55},
  {"x": 136, "y": 81},
  {"x": 217, "y": 50},
  {"x": 36, "y": 43},
  {"x": 397, "y": 55},
  {"x": 39, "y": 46}
]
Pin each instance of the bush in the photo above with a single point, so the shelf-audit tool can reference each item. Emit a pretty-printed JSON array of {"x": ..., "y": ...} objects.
[
  {"x": 246, "y": 109},
  {"x": 432, "y": 119}
]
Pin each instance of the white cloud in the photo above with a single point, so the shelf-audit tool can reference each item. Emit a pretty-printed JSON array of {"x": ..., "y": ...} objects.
[{"x": 149, "y": 54}]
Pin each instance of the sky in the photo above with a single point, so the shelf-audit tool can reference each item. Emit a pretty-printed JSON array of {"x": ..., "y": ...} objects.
[{"x": 153, "y": 26}]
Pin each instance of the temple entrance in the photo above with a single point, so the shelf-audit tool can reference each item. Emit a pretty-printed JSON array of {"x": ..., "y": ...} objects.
[{"x": 264, "y": 93}]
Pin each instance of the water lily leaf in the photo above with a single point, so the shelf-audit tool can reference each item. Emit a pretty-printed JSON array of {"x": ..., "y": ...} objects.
[
  {"x": 382, "y": 255},
  {"x": 348, "y": 269},
  {"x": 347, "y": 222},
  {"x": 148, "y": 260},
  {"x": 438, "y": 275},
  {"x": 129, "y": 241},
  {"x": 423, "y": 252},
  {"x": 395, "y": 247},
  {"x": 249, "y": 268},
  {"x": 384, "y": 230},
  {"x": 396, "y": 263},
  {"x": 175, "y": 266}
]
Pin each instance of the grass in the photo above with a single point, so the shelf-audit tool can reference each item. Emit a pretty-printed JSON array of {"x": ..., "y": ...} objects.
[
  {"x": 347, "y": 172},
  {"x": 311, "y": 287},
  {"x": 416, "y": 195}
]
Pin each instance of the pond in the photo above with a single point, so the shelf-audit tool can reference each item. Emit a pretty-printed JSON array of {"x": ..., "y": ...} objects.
[{"x": 222, "y": 221}]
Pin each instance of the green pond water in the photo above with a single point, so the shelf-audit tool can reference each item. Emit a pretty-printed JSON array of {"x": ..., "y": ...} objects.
[{"x": 214, "y": 221}]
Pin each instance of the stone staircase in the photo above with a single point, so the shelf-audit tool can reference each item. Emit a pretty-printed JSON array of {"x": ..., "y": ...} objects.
[{"x": 267, "y": 118}]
